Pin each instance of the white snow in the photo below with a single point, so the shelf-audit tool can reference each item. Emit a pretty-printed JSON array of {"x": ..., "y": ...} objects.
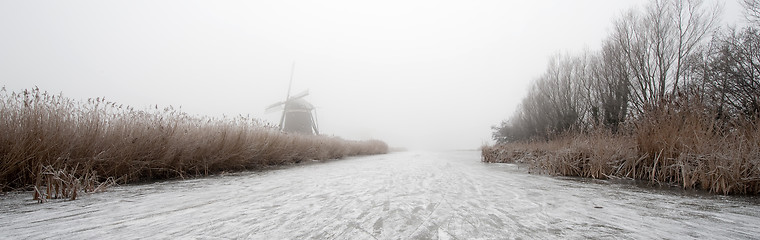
[{"x": 407, "y": 195}]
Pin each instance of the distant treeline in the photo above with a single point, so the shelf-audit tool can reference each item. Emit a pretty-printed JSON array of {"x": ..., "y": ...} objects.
[
  {"x": 52, "y": 141},
  {"x": 667, "y": 77}
]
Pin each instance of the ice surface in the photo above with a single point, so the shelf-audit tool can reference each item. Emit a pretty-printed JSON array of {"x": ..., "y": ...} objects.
[{"x": 407, "y": 195}]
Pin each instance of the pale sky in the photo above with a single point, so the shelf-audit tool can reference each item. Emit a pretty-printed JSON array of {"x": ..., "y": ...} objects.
[{"x": 416, "y": 74}]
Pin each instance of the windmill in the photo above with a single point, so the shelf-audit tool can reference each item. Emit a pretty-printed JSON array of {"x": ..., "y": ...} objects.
[{"x": 298, "y": 115}]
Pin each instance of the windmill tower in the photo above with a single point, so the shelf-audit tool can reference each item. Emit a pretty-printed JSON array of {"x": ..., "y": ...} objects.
[{"x": 298, "y": 115}]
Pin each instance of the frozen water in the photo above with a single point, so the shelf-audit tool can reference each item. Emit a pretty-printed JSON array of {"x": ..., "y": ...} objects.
[{"x": 407, "y": 195}]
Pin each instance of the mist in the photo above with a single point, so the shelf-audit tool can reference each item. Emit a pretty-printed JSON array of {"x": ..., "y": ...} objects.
[{"x": 418, "y": 75}]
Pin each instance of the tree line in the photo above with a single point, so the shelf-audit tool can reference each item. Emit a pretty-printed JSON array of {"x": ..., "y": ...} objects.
[{"x": 669, "y": 53}]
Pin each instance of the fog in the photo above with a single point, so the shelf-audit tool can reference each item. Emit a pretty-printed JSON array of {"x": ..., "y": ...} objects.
[{"x": 416, "y": 74}]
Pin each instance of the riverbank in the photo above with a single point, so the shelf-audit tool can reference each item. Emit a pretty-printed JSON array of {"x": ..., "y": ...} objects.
[
  {"x": 668, "y": 151},
  {"x": 66, "y": 146}
]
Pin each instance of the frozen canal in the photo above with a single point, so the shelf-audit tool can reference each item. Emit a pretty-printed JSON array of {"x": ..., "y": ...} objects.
[{"x": 408, "y": 195}]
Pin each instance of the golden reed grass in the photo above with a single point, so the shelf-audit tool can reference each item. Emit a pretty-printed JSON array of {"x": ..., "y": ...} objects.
[
  {"x": 52, "y": 141},
  {"x": 687, "y": 147}
]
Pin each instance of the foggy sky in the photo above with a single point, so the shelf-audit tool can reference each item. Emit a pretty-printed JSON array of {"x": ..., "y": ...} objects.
[{"x": 416, "y": 74}]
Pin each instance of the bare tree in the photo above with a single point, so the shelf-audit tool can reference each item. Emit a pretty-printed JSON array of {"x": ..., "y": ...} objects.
[
  {"x": 752, "y": 11},
  {"x": 657, "y": 42},
  {"x": 608, "y": 86},
  {"x": 732, "y": 72},
  {"x": 693, "y": 25}
]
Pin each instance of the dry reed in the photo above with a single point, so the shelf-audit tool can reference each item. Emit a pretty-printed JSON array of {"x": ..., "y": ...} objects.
[
  {"x": 49, "y": 140},
  {"x": 674, "y": 145}
]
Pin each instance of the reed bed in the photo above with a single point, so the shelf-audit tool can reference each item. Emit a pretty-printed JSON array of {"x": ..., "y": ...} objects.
[
  {"x": 687, "y": 148},
  {"x": 49, "y": 140}
]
